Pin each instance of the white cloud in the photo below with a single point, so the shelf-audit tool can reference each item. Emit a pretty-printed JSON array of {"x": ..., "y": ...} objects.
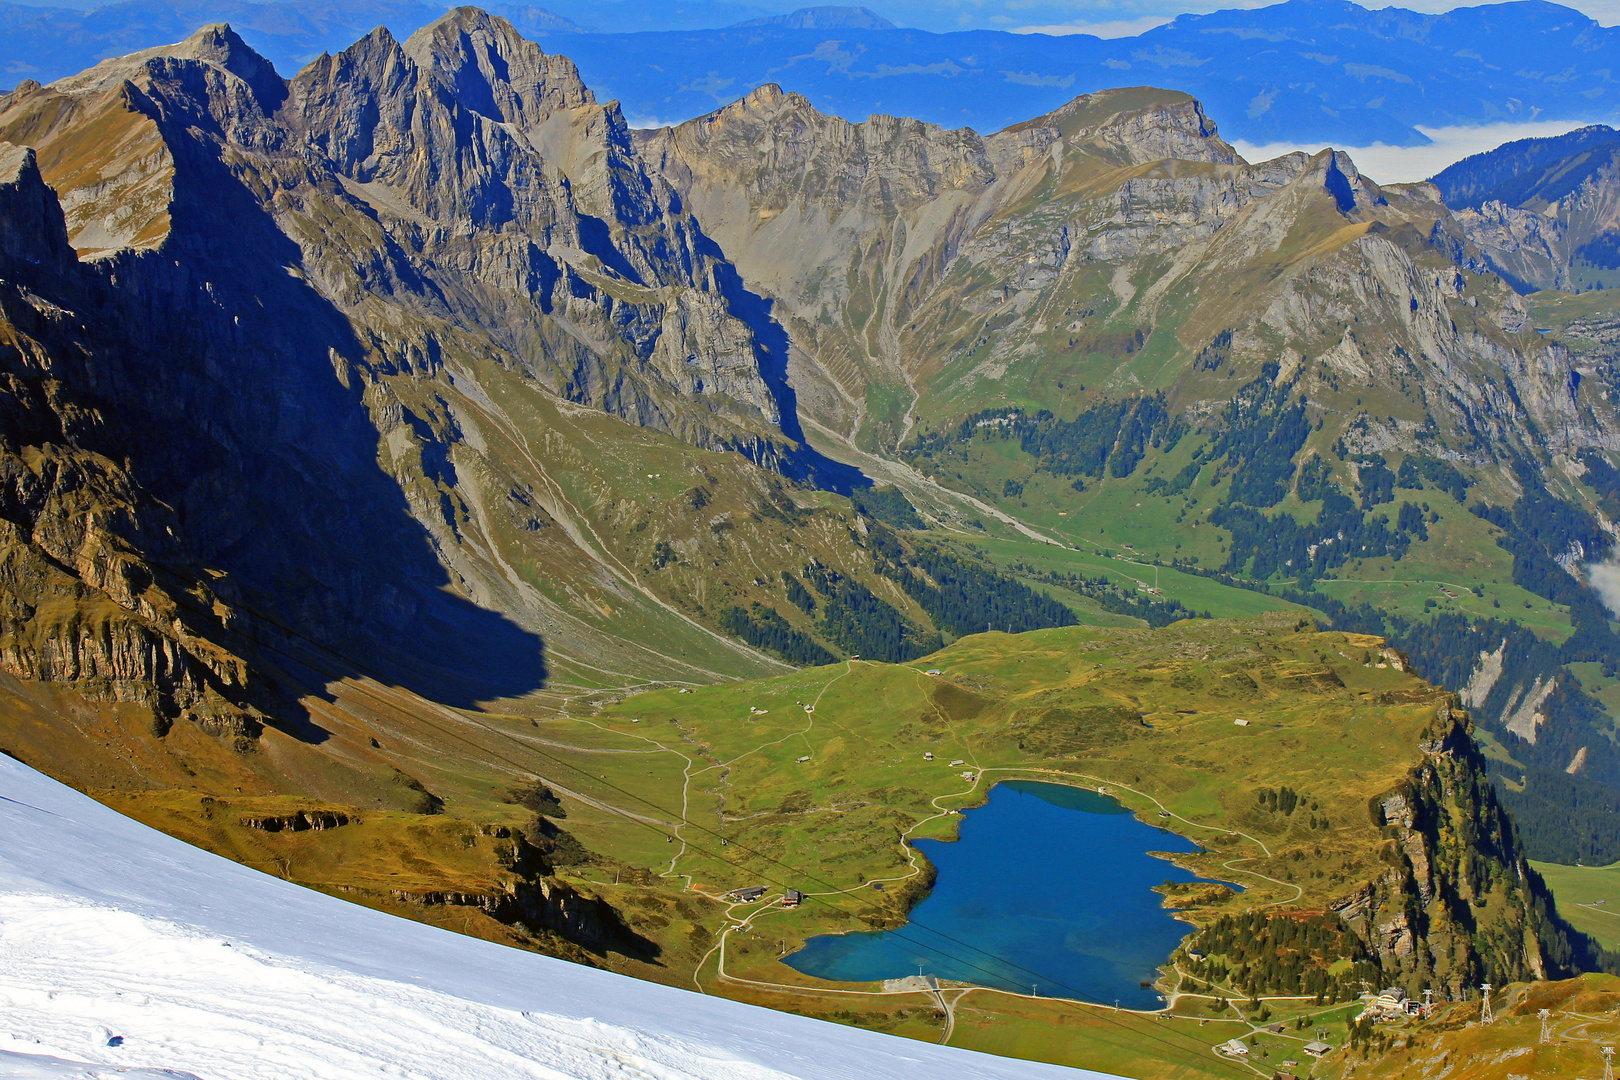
[
  {"x": 1605, "y": 581},
  {"x": 1403, "y": 164}
]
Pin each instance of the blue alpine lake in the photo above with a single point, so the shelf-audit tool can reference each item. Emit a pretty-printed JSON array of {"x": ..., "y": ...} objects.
[{"x": 1049, "y": 886}]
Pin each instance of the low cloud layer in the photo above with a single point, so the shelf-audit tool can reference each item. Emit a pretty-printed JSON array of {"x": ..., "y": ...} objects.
[
  {"x": 1605, "y": 581},
  {"x": 1405, "y": 164}
]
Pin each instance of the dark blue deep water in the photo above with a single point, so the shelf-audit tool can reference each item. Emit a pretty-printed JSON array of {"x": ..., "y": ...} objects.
[{"x": 1049, "y": 886}]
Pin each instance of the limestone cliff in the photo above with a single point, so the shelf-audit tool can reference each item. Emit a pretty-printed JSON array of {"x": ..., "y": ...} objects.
[
  {"x": 1458, "y": 903},
  {"x": 1554, "y": 226},
  {"x": 355, "y": 304},
  {"x": 942, "y": 263}
]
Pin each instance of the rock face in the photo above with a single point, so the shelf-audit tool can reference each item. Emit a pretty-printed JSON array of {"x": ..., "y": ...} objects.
[
  {"x": 317, "y": 285},
  {"x": 82, "y": 604},
  {"x": 1555, "y": 225},
  {"x": 853, "y": 226},
  {"x": 933, "y": 263},
  {"x": 1459, "y": 903}
]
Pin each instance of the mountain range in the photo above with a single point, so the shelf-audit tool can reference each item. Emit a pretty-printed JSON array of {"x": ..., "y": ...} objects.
[
  {"x": 1324, "y": 71},
  {"x": 381, "y": 446}
]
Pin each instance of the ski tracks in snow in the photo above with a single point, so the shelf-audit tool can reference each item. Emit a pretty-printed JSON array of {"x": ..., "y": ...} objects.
[{"x": 75, "y": 977}]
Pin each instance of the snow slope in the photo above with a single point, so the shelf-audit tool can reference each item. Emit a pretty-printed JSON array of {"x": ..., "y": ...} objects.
[{"x": 127, "y": 953}]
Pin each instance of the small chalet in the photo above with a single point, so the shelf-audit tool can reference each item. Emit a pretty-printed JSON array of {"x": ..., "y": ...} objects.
[
  {"x": 792, "y": 898},
  {"x": 1235, "y": 1048},
  {"x": 1318, "y": 1048},
  {"x": 746, "y": 895}
]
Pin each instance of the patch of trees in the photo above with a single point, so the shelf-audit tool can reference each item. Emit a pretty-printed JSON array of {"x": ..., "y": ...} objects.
[
  {"x": 857, "y": 621},
  {"x": 889, "y": 505},
  {"x": 1213, "y": 355},
  {"x": 1264, "y": 545},
  {"x": 1110, "y": 438},
  {"x": 1114, "y": 597},
  {"x": 964, "y": 596},
  {"x": 1563, "y": 818},
  {"x": 1410, "y": 520},
  {"x": 1538, "y": 529},
  {"x": 1376, "y": 482},
  {"x": 1261, "y": 953},
  {"x": 1261, "y": 434},
  {"x": 764, "y": 628},
  {"x": 1113, "y": 436},
  {"x": 1442, "y": 474},
  {"x": 1284, "y": 800},
  {"x": 797, "y": 594},
  {"x": 1604, "y": 478}
]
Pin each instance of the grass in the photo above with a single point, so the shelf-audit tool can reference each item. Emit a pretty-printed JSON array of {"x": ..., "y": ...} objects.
[
  {"x": 1454, "y": 1046},
  {"x": 758, "y": 790},
  {"x": 1194, "y": 592},
  {"x": 1588, "y": 897}
]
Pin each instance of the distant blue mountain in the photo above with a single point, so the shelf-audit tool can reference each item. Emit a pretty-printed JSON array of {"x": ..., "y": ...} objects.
[
  {"x": 1328, "y": 71},
  {"x": 1321, "y": 70},
  {"x": 823, "y": 18}
]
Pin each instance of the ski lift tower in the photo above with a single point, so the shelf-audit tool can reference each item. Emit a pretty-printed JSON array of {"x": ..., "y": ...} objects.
[
  {"x": 1485, "y": 1014},
  {"x": 1546, "y": 1026},
  {"x": 1428, "y": 1003},
  {"x": 1608, "y": 1063}
]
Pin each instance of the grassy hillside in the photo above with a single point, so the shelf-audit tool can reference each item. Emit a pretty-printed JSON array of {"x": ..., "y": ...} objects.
[
  {"x": 817, "y": 779},
  {"x": 1454, "y": 1046},
  {"x": 1588, "y": 897}
]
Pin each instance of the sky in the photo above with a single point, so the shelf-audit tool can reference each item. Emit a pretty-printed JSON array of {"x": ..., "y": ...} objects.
[
  {"x": 1105, "y": 18},
  {"x": 1110, "y": 18}
]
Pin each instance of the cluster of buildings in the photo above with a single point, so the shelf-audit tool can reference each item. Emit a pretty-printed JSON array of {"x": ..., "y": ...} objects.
[
  {"x": 1390, "y": 1004},
  {"x": 750, "y": 894}
]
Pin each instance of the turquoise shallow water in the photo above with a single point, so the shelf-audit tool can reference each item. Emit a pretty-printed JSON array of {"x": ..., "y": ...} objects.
[{"x": 1049, "y": 886}]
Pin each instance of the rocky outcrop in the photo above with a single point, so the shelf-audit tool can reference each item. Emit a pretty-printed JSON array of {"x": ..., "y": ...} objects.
[
  {"x": 1131, "y": 126},
  {"x": 1458, "y": 902},
  {"x": 529, "y": 896},
  {"x": 1528, "y": 248},
  {"x": 300, "y": 821},
  {"x": 509, "y": 202},
  {"x": 82, "y": 604},
  {"x": 1555, "y": 226},
  {"x": 32, "y": 232}
]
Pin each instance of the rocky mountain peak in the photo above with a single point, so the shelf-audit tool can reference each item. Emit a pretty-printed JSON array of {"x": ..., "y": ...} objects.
[
  {"x": 493, "y": 70},
  {"x": 766, "y": 96},
  {"x": 32, "y": 233},
  {"x": 783, "y": 148},
  {"x": 1350, "y": 190},
  {"x": 1138, "y": 124},
  {"x": 216, "y": 45}
]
